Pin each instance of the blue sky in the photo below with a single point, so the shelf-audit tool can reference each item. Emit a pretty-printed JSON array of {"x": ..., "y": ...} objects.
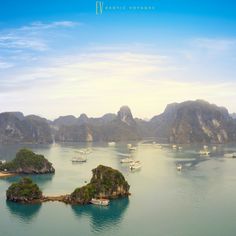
[{"x": 58, "y": 57}]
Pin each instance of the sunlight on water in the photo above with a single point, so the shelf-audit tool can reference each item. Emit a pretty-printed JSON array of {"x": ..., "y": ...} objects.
[{"x": 198, "y": 200}]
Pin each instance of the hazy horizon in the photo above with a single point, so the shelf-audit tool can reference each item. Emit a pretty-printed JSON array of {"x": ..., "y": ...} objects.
[{"x": 59, "y": 59}]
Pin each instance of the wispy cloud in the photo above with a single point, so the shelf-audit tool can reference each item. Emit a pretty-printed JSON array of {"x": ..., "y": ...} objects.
[
  {"x": 42, "y": 26},
  {"x": 214, "y": 44},
  {"x": 32, "y": 36},
  {"x": 5, "y": 65},
  {"x": 16, "y": 41}
]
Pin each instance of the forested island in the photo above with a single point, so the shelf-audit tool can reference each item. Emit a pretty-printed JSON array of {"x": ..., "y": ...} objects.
[
  {"x": 106, "y": 183},
  {"x": 27, "y": 162}
]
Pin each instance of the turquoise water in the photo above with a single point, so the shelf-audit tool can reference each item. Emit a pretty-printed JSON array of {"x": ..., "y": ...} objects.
[{"x": 199, "y": 200}]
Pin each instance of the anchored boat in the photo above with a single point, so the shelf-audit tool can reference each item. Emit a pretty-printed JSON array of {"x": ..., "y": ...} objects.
[
  {"x": 135, "y": 165},
  {"x": 100, "y": 201},
  {"x": 179, "y": 167},
  {"x": 127, "y": 160}
]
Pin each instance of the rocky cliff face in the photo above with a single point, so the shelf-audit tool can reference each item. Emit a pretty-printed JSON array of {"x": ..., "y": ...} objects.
[
  {"x": 194, "y": 122},
  {"x": 110, "y": 127},
  {"x": 16, "y": 128},
  {"x": 105, "y": 183}
]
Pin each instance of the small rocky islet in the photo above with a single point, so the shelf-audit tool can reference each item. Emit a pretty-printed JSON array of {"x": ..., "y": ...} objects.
[
  {"x": 28, "y": 162},
  {"x": 106, "y": 182}
]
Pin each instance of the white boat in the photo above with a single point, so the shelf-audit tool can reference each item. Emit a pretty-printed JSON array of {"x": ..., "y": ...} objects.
[
  {"x": 179, "y": 167},
  {"x": 100, "y": 202},
  {"x": 180, "y": 148},
  {"x": 135, "y": 165},
  {"x": 129, "y": 145},
  {"x": 214, "y": 148},
  {"x": 79, "y": 159},
  {"x": 84, "y": 151},
  {"x": 3, "y": 161},
  {"x": 126, "y": 160},
  {"x": 132, "y": 148},
  {"x": 174, "y": 146},
  {"x": 205, "y": 147},
  {"x": 157, "y": 145},
  {"x": 111, "y": 144},
  {"x": 124, "y": 154},
  {"x": 204, "y": 153},
  {"x": 230, "y": 155}
]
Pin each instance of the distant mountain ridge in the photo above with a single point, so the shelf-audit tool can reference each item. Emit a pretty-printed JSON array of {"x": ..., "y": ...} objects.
[
  {"x": 194, "y": 122},
  {"x": 17, "y": 128},
  {"x": 187, "y": 122}
]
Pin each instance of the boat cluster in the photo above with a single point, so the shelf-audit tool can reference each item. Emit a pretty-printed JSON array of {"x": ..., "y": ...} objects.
[
  {"x": 81, "y": 156},
  {"x": 133, "y": 164}
]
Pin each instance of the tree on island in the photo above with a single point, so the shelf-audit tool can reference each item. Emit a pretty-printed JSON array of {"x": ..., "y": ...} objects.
[
  {"x": 28, "y": 162},
  {"x": 24, "y": 191}
]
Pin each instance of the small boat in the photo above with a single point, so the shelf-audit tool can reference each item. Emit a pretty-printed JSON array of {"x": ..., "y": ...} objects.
[
  {"x": 79, "y": 159},
  {"x": 84, "y": 151},
  {"x": 180, "y": 148},
  {"x": 124, "y": 154},
  {"x": 126, "y": 160},
  {"x": 204, "y": 153},
  {"x": 179, "y": 167},
  {"x": 111, "y": 144},
  {"x": 214, "y": 148},
  {"x": 174, "y": 146},
  {"x": 132, "y": 148},
  {"x": 205, "y": 147},
  {"x": 100, "y": 201},
  {"x": 2, "y": 162},
  {"x": 230, "y": 155},
  {"x": 129, "y": 145},
  {"x": 135, "y": 165}
]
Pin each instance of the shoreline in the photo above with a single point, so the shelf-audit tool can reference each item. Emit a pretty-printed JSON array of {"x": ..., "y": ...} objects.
[{"x": 6, "y": 174}]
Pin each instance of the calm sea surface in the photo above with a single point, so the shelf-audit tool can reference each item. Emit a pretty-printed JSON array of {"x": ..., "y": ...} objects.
[{"x": 199, "y": 200}]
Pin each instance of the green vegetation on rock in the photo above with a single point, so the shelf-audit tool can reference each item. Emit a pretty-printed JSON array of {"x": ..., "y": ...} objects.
[
  {"x": 24, "y": 191},
  {"x": 106, "y": 182},
  {"x": 28, "y": 162}
]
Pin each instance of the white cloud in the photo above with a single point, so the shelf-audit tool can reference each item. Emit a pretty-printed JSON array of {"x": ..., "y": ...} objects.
[
  {"x": 32, "y": 36},
  {"x": 5, "y": 65},
  {"x": 215, "y": 44},
  {"x": 101, "y": 82},
  {"x": 43, "y": 26},
  {"x": 13, "y": 41}
]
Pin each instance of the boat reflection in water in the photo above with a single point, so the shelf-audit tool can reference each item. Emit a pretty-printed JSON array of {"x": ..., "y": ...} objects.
[{"x": 102, "y": 218}]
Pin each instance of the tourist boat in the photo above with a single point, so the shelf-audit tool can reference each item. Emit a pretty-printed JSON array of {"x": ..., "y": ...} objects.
[
  {"x": 100, "y": 201},
  {"x": 124, "y": 154},
  {"x": 111, "y": 144},
  {"x": 179, "y": 167},
  {"x": 174, "y": 146},
  {"x": 180, "y": 148},
  {"x": 79, "y": 159},
  {"x": 126, "y": 160},
  {"x": 230, "y": 155},
  {"x": 129, "y": 145},
  {"x": 84, "y": 151},
  {"x": 204, "y": 153},
  {"x": 132, "y": 148},
  {"x": 205, "y": 147},
  {"x": 135, "y": 165}
]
